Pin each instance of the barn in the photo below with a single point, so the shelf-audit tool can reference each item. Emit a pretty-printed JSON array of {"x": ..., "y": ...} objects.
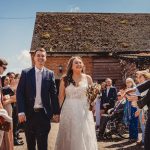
[{"x": 111, "y": 45}]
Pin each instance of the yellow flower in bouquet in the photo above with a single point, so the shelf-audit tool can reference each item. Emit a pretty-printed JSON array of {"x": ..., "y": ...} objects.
[{"x": 92, "y": 92}]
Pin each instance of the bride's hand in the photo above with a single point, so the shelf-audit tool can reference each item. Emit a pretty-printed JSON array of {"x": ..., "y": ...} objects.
[{"x": 56, "y": 118}]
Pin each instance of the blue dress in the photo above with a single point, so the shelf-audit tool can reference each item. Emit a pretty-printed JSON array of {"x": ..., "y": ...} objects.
[{"x": 131, "y": 120}]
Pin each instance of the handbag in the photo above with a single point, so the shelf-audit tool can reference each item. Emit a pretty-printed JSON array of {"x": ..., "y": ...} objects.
[{"x": 4, "y": 125}]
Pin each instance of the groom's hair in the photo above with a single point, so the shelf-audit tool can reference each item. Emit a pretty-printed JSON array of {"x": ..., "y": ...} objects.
[{"x": 39, "y": 49}]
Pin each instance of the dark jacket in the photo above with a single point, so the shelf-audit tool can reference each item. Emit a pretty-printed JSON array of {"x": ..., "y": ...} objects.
[
  {"x": 146, "y": 99},
  {"x": 26, "y": 92},
  {"x": 112, "y": 96}
]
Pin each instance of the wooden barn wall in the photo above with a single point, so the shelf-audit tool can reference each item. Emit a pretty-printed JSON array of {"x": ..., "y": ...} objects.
[{"x": 107, "y": 67}]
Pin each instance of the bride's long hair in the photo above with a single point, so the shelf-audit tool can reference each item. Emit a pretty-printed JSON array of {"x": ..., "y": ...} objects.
[{"x": 68, "y": 77}]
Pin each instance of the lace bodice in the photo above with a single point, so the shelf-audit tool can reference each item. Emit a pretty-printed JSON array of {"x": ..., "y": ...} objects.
[{"x": 77, "y": 92}]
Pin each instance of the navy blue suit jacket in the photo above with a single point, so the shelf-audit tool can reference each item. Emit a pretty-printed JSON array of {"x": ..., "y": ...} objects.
[
  {"x": 111, "y": 98},
  {"x": 26, "y": 92}
]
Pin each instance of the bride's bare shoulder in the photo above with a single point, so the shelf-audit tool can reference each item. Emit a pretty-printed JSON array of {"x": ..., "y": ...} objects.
[{"x": 89, "y": 78}]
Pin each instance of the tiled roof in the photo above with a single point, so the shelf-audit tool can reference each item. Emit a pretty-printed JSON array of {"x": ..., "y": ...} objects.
[{"x": 91, "y": 32}]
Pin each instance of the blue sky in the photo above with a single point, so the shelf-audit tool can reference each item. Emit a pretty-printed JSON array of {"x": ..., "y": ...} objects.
[{"x": 17, "y": 19}]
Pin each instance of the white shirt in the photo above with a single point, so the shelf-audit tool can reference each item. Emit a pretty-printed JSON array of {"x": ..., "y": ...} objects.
[
  {"x": 107, "y": 90},
  {"x": 38, "y": 77}
]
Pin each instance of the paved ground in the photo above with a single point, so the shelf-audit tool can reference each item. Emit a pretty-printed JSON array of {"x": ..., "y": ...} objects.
[{"x": 115, "y": 144}]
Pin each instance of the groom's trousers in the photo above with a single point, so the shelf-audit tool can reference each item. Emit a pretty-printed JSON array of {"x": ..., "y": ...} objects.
[{"x": 37, "y": 128}]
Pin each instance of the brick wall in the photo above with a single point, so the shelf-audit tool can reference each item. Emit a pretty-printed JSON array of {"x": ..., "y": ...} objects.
[
  {"x": 53, "y": 63},
  {"x": 128, "y": 69}
]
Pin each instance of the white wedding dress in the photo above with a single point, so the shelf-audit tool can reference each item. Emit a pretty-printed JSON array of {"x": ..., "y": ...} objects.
[{"x": 77, "y": 128}]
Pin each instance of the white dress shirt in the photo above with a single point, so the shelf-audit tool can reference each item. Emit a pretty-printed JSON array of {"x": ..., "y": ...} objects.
[
  {"x": 107, "y": 90},
  {"x": 38, "y": 77}
]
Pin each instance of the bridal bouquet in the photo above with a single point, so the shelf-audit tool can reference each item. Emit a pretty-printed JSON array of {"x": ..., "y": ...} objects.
[{"x": 92, "y": 92}]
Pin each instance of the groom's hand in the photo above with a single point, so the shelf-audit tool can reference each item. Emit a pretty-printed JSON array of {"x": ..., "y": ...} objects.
[
  {"x": 22, "y": 118},
  {"x": 56, "y": 118}
]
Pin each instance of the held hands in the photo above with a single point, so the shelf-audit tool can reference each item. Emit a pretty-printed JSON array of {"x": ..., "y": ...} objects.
[
  {"x": 56, "y": 118},
  {"x": 22, "y": 118}
]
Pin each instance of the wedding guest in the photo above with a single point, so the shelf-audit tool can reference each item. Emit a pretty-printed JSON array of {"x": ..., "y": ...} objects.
[
  {"x": 8, "y": 98},
  {"x": 141, "y": 77},
  {"x": 141, "y": 103},
  {"x": 3, "y": 67},
  {"x": 109, "y": 95},
  {"x": 129, "y": 114},
  {"x": 13, "y": 85},
  {"x": 5, "y": 118},
  {"x": 112, "y": 113}
]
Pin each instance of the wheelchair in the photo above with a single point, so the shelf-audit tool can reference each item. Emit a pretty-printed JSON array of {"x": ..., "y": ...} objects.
[{"x": 116, "y": 126}]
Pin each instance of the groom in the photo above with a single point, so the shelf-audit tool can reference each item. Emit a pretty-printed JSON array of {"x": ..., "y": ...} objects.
[{"x": 37, "y": 101}]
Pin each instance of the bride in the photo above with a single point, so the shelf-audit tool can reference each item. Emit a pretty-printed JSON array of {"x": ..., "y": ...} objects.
[{"x": 77, "y": 128}]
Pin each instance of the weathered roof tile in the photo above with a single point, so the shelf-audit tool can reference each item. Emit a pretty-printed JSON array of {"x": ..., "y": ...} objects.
[{"x": 91, "y": 32}]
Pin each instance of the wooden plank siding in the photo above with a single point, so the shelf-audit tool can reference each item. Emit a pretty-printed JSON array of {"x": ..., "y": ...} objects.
[{"x": 107, "y": 67}]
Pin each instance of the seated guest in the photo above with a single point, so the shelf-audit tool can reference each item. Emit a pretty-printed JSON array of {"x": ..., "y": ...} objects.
[{"x": 112, "y": 113}]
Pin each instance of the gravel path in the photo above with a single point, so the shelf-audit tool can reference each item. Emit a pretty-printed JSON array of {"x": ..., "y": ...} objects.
[{"x": 115, "y": 144}]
